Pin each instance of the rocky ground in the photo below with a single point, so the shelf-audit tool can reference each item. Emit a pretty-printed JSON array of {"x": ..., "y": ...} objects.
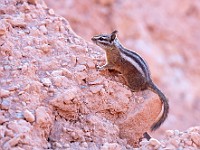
[
  {"x": 52, "y": 96},
  {"x": 165, "y": 33}
]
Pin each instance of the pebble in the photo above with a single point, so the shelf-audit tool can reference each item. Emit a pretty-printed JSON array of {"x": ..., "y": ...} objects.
[
  {"x": 95, "y": 88},
  {"x": 32, "y": 2},
  {"x": 67, "y": 73},
  {"x": 46, "y": 82},
  {"x": 97, "y": 80},
  {"x": 106, "y": 2},
  {"x": 111, "y": 146},
  {"x": 91, "y": 64},
  {"x": 3, "y": 119},
  {"x": 18, "y": 23},
  {"x": 5, "y": 104},
  {"x": 57, "y": 73},
  {"x": 169, "y": 133},
  {"x": 51, "y": 12},
  {"x": 19, "y": 115},
  {"x": 11, "y": 143},
  {"x": 2, "y": 32},
  {"x": 176, "y": 132},
  {"x": 188, "y": 142},
  {"x": 82, "y": 60},
  {"x": 66, "y": 145},
  {"x": 195, "y": 138},
  {"x": 80, "y": 68},
  {"x": 42, "y": 117},
  {"x": 154, "y": 142},
  {"x": 45, "y": 48},
  {"x": 9, "y": 133},
  {"x": 175, "y": 142},
  {"x": 74, "y": 135},
  {"x": 58, "y": 81},
  {"x": 43, "y": 29},
  {"x": 170, "y": 147},
  {"x": 84, "y": 144},
  {"x": 4, "y": 93},
  {"x": 58, "y": 145},
  {"x": 29, "y": 116}
]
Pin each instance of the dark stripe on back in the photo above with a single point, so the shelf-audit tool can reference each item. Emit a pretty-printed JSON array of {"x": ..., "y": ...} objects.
[{"x": 138, "y": 59}]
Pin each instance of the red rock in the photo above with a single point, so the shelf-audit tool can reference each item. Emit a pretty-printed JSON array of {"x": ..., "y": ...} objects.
[
  {"x": 29, "y": 116},
  {"x": 77, "y": 107},
  {"x": 33, "y": 1},
  {"x": 4, "y": 93},
  {"x": 43, "y": 118},
  {"x": 196, "y": 138}
]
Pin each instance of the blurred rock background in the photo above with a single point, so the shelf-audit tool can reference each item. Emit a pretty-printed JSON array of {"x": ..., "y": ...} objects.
[{"x": 165, "y": 33}]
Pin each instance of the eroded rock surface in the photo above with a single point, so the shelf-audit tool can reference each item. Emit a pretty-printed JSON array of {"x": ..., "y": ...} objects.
[{"x": 52, "y": 97}]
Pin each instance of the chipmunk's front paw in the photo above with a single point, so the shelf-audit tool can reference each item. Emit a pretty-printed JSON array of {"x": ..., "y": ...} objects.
[{"x": 99, "y": 68}]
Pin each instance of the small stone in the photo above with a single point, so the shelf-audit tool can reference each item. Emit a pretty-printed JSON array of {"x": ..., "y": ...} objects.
[
  {"x": 3, "y": 119},
  {"x": 97, "y": 80},
  {"x": 175, "y": 142},
  {"x": 51, "y": 12},
  {"x": 9, "y": 133},
  {"x": 58, "y": 145},
  {"x": 24, "y": 103},
  {"x": 7, "y": 67},
  {"x": 74, "y": 135},
  {"x": 48, "y": 145},
  {"x": 19, "y": 115},
  {"x": 73, "y": 60},
  {"x": 2, "y": 32},
  {"x": 45, "y": 48},
  {"x": 111, "y": 146},
  {"x": 176, "y": 132},
  {"x": 96, "y": 88},
  {"x": 106, "y": 2},
  {"x": 188, "y": 142},
  {"x": 11, "y": 143},
  {"x": 42, "y": 117},
  {"x": 169, "y": 133},
  {"x": 58, "y": 81},
  {"x": 91, "y": 64},
  {"x": 3, "y": 26},
  {"x": 2, "y": 131},
  {"x": 29, "y": 116},
  {"x": 82, "y": 60},
  {"x": 5, "y": 104},
  {"x": 84, "y": 144},
  {"x": 4, "y": 93},
  {"x": 195, "y": 138},
  {"x": 46, "y": 82},
  {"x": 154, "y": 142},
  {"x": 18, "y": 23},
  {"x": 170, "y": 147},
  {"x": 77, "y": 48},
  {"x": 80, "y": 68},
  {"x": 32, "y": 2},
  {"x": 64, "y": 129},
  {"x": 66, "y": 145},
  {"x": 66, "y": 73},
  {"x": 43, "y": 29},
  {"x": 57, "y": 73}
]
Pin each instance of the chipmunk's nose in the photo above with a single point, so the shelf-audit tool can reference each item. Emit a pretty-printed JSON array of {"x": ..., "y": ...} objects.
[{"x": 93, "y": 39}]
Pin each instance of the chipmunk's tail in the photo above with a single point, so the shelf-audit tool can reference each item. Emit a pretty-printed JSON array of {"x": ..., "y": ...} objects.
[{"x": 165, "y": 107}]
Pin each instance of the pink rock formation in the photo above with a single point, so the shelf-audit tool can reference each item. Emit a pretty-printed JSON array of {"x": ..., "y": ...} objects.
[
  {"x": 52, "y": 97},
  {"x": 165, "y": 33}
]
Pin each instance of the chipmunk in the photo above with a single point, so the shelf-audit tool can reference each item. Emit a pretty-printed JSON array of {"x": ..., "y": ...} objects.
[{"x": 132, "y": 67}]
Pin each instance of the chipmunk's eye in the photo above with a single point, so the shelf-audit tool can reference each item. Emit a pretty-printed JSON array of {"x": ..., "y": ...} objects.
[{"x": 101, "y": 39}]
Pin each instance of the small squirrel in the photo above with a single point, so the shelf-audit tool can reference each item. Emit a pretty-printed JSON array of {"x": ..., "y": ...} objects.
[{"x": 132, "y": 67}]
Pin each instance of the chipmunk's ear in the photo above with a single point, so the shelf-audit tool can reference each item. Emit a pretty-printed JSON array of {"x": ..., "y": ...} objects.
[{"x": 113, "y": 35}]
